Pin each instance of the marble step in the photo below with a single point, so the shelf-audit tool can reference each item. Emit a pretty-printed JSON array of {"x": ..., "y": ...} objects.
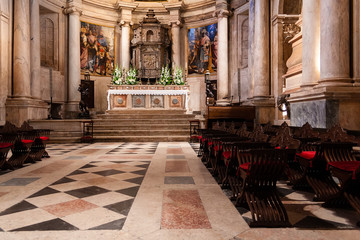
[
  {"x": 141, "y": 127},
  {"x": 136, "y": 132},
  {"x": 122, "y": 122},
  {"x": 141, "y": 138}
]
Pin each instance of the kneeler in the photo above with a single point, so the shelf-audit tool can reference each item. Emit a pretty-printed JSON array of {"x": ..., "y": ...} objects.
[{"x": 259, "y": 177}]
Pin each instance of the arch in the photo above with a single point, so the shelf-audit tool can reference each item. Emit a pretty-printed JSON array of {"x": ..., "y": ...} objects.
[{"x": 149, "y": 36}]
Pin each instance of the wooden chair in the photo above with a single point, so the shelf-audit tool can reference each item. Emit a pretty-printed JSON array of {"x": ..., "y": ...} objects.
[
  {"x": 4, "y": 149},
  {"x": 259, "y": 177}
]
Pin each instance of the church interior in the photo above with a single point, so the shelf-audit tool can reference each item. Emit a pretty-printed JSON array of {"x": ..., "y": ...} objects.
[{"x": 179, "y": 119}]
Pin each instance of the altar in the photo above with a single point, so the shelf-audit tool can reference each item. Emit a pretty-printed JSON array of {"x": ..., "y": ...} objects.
[{"x": 170, "y": 97}]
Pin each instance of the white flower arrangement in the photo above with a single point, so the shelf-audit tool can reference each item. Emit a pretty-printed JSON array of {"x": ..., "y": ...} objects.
[
  {"x": 178, "y": 78},
  {"x": 165, "y": 76},
  {"x": 117, "y": 78},
  {"x": 131, "y": 76}
]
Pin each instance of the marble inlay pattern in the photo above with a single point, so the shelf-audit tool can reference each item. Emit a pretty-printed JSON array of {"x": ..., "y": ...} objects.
[
  {"x": 18, "y": 182},
  {"x": 177, "y": 166},
  {"x": 100, "y": 191},
  {"x": 145, "y": 196},
  {"x": 135, "y": 148},
  {"x": 183, "y": 209}
]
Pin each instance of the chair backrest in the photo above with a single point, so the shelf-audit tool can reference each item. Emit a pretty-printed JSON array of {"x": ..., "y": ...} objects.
[
  {"x": 338, "y": 152},
  {"x": 267, "y": 165},
  {"x": 258, "y": 134},
  {"x": 284, "y": 139}
]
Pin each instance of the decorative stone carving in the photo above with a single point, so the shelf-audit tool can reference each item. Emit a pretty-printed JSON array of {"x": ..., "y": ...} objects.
[
  {"x": 150, "y": 47},
  {"x": 290, "y": 30}
]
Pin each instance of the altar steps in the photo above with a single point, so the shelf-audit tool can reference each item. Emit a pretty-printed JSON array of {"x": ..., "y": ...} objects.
[
  {"x": 123, "y": 126},
  {"x": 142, "y": 126}
]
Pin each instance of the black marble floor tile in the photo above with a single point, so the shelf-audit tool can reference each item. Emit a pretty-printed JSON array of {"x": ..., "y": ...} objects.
[
  {"x": 108, "y": 172},
  {"x": 129, "y": 191},
  {"x": 114, "y": 225},
  {"x": 63, "y": 180},
  {"x": 143, "y": 165},
  {"x": 121, "y": 207},
  {"x": 135, "y": 180},
  {"x": 43, "y": 192},
  {"x": 88, "y": 166},
  {"x": 179, "y": 180},
  {"x": 87, "y": 192},
  {"x": 51, "y": 225},
  {"x": 21, "y": 206},
  {"x": 77, "y": 172},
  {"x": 284, "y": 191},
  {"x": 140, "y": 172}
]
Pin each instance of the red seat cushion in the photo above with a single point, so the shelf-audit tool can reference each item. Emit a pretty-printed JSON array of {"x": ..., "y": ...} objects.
[
  {"x": 245, "y": 167},
  {"x": 307, "y": 154},
  {"x": 26, "y": 141},
  {"x": 349, "y": 166},
  {"x": 209, "y": 143},
  {"x": 5, "y": 145},
  {"x": 279, "y": 147},
  {"x": 217, "y": 148},
  {"x": 44, "y": 138},
  {"x": 227, "y": 154}
]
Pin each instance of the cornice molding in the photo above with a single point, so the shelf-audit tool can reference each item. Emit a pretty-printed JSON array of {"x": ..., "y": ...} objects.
[{"x": 126, "y": 5}]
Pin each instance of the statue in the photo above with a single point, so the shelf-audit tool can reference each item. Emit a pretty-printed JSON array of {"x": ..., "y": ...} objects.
[
  {"x": 283, "y": 105},
  {"x": 84, "y": 110}
]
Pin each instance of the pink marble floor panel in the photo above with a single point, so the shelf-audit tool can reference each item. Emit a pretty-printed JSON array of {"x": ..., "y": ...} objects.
[
  {"x": 70, "y": 207},
  {"x": 89, "y": 151},
  {"x": 183, "y": 209},
  {"x": 177, "y": 166},
  {"x": 175, "y": 151}
]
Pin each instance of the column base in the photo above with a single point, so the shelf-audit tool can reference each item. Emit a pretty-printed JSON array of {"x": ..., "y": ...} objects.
[
  {"x": 22, "y": 109},
  {"x": 223, "y": 102},
  {"x": 72, "y": 110},
  {"x": 264, "y": 109},
  {"x": 335, "y": 82},
  {"x": 324, "y": 107}
]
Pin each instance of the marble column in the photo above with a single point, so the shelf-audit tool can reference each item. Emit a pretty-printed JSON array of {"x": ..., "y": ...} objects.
[
  {"x": 74, "y": 59},
  {"x": 356, "y": 41},
  {"x": 251, "y": 47},
  {"x": 261, "y": 50},
  {"x": 175, "y": 32},
  {"x": 35, "y": 49},
  {"x": 311, "y": 41},
  {"x": 21, "y": 58},
  {"x": 125, "y": 45},
  {"x": 223, "y": 56},
  {"x": 334, "y": 43}
]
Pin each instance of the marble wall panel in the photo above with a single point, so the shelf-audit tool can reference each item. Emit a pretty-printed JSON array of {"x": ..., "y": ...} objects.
[
  {"x": 157, "y": 101},
  {"x": 138, "y": 101},
  {"x": 320, "y": 113}
]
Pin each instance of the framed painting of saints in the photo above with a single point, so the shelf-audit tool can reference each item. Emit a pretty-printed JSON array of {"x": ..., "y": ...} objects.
[
  {"x": 202, "y": 49},
  {"x": 97, "y": 49}
]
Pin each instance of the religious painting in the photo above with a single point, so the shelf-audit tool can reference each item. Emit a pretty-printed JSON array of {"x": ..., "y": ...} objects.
[
  {"x": 97, "y": 49},
  {"x": 202, "y": 49}
]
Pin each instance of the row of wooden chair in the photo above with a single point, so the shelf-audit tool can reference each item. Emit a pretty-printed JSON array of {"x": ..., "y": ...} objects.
[
  {"x": 250, "y": 163},
  {"x": 27, "y": 145}
]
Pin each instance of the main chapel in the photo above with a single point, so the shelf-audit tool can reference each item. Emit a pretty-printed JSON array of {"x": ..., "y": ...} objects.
[{"x": 143, "y": 106}]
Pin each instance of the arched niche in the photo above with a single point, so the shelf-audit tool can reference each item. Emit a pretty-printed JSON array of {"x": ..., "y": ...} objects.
[{"x": 149, "y": 36}]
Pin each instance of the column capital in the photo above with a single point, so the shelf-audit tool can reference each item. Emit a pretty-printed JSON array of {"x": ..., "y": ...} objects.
[
  {"x": 73, "y": 7},
  {"x": 176, "y": 23},
  {"x": 222, "y": 13},
  {"x": 72, "y": 10},
  {"x": 125, "y": 23}
]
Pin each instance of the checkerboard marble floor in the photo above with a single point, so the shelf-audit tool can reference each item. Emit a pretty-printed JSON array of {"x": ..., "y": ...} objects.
[{"x": 143, "y": 191}]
